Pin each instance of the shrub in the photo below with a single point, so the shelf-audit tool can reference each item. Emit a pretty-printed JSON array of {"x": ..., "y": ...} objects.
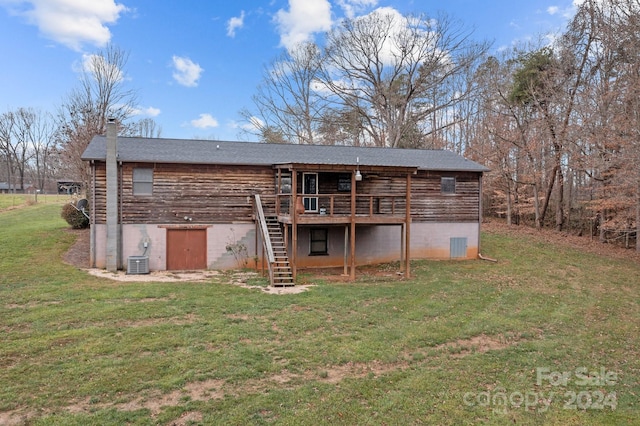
[{"x": 74, "y": 217}]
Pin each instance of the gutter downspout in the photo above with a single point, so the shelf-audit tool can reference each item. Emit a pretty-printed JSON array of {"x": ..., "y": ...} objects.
[
  {"x": 120, "y": 221},
  {"x": 92, "y": 224}
]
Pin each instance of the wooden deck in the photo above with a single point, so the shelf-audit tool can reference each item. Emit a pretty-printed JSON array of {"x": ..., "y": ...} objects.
[
  {"x": 336, "y": 209},
  {"x": 320, "y": 219}
]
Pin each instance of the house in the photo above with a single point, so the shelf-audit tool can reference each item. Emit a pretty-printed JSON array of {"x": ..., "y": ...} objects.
[
  {"x": 195, "y": 204},
  {"x": 68, "y": 186}
]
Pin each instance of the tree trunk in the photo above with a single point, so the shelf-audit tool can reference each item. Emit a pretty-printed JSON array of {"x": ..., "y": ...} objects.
[
  {"x": 638, "y": 218},
  {"x": 547, "y": 197},
  {"x": 560, "y": 205},
  {"x": 509, "y": 203},
  {"x": 536, "y": 205}
]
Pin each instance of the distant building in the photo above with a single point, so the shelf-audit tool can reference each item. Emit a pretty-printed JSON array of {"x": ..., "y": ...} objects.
[
  {"x": 6, "y": 188},
  {"x": 69, "y": 187}
]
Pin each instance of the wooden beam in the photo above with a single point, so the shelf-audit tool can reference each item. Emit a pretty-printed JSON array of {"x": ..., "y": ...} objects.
[
  {"x": 257, "y": 231},
  {"x": 294, "y": 224},
  {"x": 346, "y": 251},
  {"x": 403, "y": 231},
  {"x": 279, "y": 185},
  {"x": 345, "y": 168},
  {"x": 352, "y": 236}
]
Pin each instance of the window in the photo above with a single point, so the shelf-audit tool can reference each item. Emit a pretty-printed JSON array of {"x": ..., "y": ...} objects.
[
  {"x": 318, "y": 241},
  {"x": 142, "y": 181},
  {"x": 448, "y": 185},
  {"x": 344, "y": 183}
]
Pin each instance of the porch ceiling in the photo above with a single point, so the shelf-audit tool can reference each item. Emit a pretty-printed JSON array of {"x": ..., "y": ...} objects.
[
  {"x": 344, "y": 168},
  {"x": 318, "y": 219}
]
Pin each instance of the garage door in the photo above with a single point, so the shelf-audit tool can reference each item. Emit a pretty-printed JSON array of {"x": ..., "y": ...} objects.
[{"x": 186, "y": 249}]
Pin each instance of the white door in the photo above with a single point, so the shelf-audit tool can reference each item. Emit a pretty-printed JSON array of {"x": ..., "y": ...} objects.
[{"x": 310, "y": 186}]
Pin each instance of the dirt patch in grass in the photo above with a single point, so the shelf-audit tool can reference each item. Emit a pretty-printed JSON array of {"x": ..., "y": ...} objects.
[
  {"x": 78, "y": 253},
  {"x": 370, "y": 273},
  {"x": 31, "y": 305},
  {"x": 155, "y": 401},
  {"x": 214, "y": 389},
  {"x": 157, "y": 276},
  {"x": 187, "y": 418},
  {"x": 476, "y": 344},
  {"x": 78, "y": 256}
]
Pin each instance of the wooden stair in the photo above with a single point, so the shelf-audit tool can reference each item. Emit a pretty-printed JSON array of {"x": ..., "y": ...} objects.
[{"x": 282, "y": 274}]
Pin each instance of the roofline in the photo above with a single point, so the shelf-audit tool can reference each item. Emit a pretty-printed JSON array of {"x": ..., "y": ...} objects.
[
  {"x": 473, "y": 167},
  {"x": 320, "y": 165}
]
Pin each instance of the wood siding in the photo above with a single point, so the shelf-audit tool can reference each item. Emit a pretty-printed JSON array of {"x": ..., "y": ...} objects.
[
  {"x": 223, "y": 194},
  {"x": 202, "y": 193},
  {"x": 428, "y": 204}
]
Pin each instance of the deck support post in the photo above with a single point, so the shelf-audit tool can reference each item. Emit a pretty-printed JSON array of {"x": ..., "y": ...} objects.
[
  {"x": 403, "y": 231},
  {"x": 345, "y": 271},
  {"x": 352, "y": 236},
  {"x": 294, "y": 225}
]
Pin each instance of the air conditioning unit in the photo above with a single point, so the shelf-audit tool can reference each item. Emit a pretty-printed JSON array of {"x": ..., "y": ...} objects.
[{"x": 138, "y": 265}]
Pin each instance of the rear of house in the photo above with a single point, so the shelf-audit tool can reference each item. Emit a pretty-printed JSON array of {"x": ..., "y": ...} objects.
[{"x": 191, "y": 204}]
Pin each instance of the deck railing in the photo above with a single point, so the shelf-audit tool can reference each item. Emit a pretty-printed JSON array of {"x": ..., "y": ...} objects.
[{"x": 333, "y": 205}]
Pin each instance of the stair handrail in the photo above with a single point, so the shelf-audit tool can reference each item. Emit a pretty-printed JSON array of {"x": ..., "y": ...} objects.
[{"x": 266, "y": 239}]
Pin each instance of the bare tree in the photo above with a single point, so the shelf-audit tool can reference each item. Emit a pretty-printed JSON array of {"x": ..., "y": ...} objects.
[
  {"x": 396, "y": 72},
  {"x": 7, "y": 122},
  {"x": 508, "y": 141},
  {"x": 612, "y": 105},
  {"x": 27, "y": 143},
  {"x": 20, "y": 142},
  {"x": 42, "y": 140},
  {"x": 288, "y": 105},
  {"x": 145, "y": 128},
  {"x": 101, "y": 94}
]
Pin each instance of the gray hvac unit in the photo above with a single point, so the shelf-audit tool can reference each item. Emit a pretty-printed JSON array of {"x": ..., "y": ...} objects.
[{"x": 138, "y": 265}]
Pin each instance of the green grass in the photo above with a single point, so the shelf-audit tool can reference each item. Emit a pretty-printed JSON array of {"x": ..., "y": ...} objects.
[
  {"x": 78, "y": 349},
  {"x": 10, "y": 201}
]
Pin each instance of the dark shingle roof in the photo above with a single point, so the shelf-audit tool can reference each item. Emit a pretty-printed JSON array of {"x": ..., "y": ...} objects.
[{"x": 147, "y": 150}]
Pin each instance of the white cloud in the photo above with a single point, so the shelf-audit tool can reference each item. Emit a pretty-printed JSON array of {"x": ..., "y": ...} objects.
[
  {"x": 205, "y": 121},
  {"x": 187, "y": 72},
  {"x": 148, "y": 111},
  {"x": 552, "y": 10},
  {"x": 302, "y": 20},
  {"x": 389, "y": 50},
  {"x": 97, "y": 64},
  {"x": 255, "y": 124},
  {"x": 235, "y": 23},
  {"x": 353, "y": 7},
  {"x": 70, "y": 22}
]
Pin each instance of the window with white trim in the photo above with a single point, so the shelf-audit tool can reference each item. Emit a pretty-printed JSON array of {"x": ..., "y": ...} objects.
[{"x": 142, "y": 181}]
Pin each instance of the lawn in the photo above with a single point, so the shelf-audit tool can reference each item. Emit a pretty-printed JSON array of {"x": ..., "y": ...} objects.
[
  {"x": 11, "y": 201},
  {"x": 547, "y": 335}
]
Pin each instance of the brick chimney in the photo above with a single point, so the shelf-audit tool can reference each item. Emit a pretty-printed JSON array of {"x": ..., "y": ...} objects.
[{"x": 113, "y": 231}]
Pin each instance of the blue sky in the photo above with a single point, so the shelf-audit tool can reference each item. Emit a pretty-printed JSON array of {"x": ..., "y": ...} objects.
[{"x": 195, "y": 63}]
